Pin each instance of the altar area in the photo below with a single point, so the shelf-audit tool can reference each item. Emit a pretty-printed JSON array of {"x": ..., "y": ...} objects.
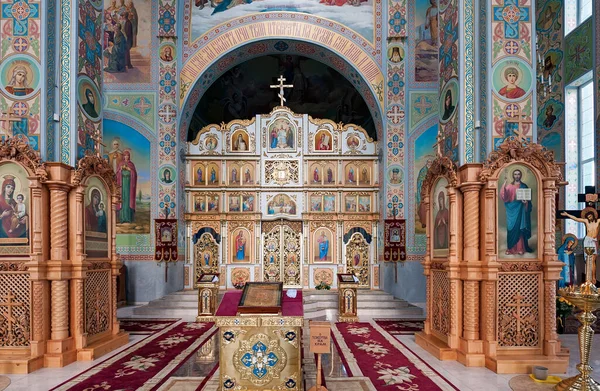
[{"x": 282, "y": 197}]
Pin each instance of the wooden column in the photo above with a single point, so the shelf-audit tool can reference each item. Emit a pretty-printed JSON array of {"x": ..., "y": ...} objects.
[{"x": 61, "y": 347}]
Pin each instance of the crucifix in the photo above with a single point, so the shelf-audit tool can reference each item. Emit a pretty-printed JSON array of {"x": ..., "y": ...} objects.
[
  {"x": 519, "y": 120},
  {"x": 441, "y": 140},
  {"x": 281, "y": 86},
  {"x": 589, "y": 217},
  {"x": 9, "y": 316},
  {"x": 518, "y": 304},
  {"x": 9, "y": 117},
  {"x": 97, "y": 137}
]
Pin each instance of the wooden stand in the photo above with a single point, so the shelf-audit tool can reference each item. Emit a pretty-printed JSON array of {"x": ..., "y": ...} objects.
[
  {"x": 320, "y": 342},
  {"x": 347, "y": 296},
  {"x": 208, "y": 290}
]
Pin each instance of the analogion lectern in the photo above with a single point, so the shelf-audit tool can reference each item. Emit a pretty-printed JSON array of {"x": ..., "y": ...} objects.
[
  {"x": 347, "y": 296},
  {"x": 260, "y": 330},
  {"x": 208, "y": 290}
]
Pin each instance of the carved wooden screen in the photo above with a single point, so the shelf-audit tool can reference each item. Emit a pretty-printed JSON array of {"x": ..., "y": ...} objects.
[
  {"x": 357, "y": 259},
  {"x": 440, "y": 304},
  {"x": 519, "y": 318},
  {"x": 15, "y": 294},
  {"x": 97, "y": 302},
  {"x": 206, "y": 256}
]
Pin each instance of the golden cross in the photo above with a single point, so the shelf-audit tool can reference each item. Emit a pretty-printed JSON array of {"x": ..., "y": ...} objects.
[
  {"x": 97, "y": 137},
  {"x": 519, "y": 119},
  {"x": 9, "y": 316},
  {"x": 9, "y": 117},
  {"x": 518, "y": 304},
  {"x": 281, "y": 86}
]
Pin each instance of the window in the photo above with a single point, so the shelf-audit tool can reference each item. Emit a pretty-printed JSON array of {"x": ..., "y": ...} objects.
[
  {"x": 580, "y": 147},
  {"x": 576, "y": 12}
]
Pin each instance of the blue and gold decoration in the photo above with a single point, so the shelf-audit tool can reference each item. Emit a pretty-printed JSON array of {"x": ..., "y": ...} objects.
[{"x": 260, "y": 359}]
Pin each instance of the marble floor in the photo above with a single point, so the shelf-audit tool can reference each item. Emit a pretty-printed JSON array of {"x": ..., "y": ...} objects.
[{"x": 192, "y": 373}]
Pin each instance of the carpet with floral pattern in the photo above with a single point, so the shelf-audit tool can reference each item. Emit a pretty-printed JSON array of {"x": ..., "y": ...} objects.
[
  {"x": 388, "y": 363},
  {"x": 400, "y": 326},
  {"x": 144, "y": 326},
  {"x": 146, "y": 364}
]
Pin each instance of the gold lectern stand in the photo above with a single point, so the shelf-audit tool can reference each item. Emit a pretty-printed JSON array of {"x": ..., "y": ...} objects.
[
  {"x": 208, "y": 290},
  {"x": 347, "y": 295},
  {"x": 585, "y": 297}
]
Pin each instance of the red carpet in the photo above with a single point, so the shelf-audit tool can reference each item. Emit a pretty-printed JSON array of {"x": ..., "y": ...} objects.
[
  {"x": 386, "y": 361},
  {"x": 400, "y": 326},
  {"x": 146, "y": 364},
  {"x": 145, "y": 326}
]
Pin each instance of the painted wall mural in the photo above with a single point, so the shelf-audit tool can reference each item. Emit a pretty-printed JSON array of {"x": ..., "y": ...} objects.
[
  {"x": 20, "y": 78},
  {"x": 578, "y": 53},
  {"x": 127, "y": 41},
  {"x": 448, "y": 70},
  {"x": 513, "y": 71},
  {"x": 550, "y": 104},
  {"x": 358, "y": 15},
  {"x": 129, "y": 154},
  {"x": 424, "y": 154},
  {"x": 426, "y": 20}
]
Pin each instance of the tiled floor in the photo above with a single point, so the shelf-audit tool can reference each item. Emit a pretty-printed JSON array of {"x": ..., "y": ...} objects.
[{"x": 467, "y": 379}]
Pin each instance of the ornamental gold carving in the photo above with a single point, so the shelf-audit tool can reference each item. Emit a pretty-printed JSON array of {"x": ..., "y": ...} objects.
[
  {"x": 441, "y": 166},
  {"x": 357, "y": 259},
  {"x": 206, "y": 256},
  {"x": 281, "y": 172},
  {"x": 259, "y": 359}
]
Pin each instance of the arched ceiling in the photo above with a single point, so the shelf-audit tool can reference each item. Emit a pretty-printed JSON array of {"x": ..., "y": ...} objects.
[{"x": 244, "y": 91}]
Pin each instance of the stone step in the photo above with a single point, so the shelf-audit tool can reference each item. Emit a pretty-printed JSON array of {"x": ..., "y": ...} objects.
[{"x": 361, "y": 304}]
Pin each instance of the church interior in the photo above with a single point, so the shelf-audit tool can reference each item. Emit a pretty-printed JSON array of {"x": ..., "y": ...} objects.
[{"x": 319, "y": 194}]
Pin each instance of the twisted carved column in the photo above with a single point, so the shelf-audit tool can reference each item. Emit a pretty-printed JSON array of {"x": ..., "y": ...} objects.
[
  {"x": 58, "y": 222},
  {"x": 38, "y": 311},
  {"x": 60, "y": 310},
  {"x": 471, "y": 308},
  {"x": 471, "y": 221}
]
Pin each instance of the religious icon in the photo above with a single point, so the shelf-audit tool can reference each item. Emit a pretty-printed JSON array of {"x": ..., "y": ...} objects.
[
  {"x": 240, "y": 141},
  {"x": 14, "y": 205},
  {"x": 395, "y": 54},
  {"x": 199, "y": 204},
  {"x": 395, "y": 235},
  {"x": 20, "y": 78},
  {"x": 350, "y": 203},
  {"x": 166, "y": 176},
  {"x": 353, "y": 142},
  {"x": 127, "y": 177},
  {"x": 281, "y": 135},
  {"x": 234, "y": 176},
  {"x": 351, "y": 175},
  {"x": 364, "y": 176},
  {"x": 364, "y": 204},
  {"x": 248, "y": 203},
  {"x": 115, "y": 155},
  {"x": 329, "y": 177},
  {"x": 96, "y": 219},
  {"x": 447, "y": 106},
  {"x": 323, "y": 239},
  {"x": 394, "y": 175},
  {"x": 240, "y": 245},
  {"x": 247, "y": 176},
  {"x": 511, "y": 77},
  {"x": 550, "y": 117},
  {"x": 316, "y": 177},
  {"x": 517, "y": 212},
  {"x": 323, "y": 140},
  {"x": 356, "y": 259},
  {"x": 166, "y": 236},
  {"x": 166, "y": 54},
  {"x": 88, "y": 100},
  {"x": 441, "y": 229},
  {"x": 566, "y": 255},
  {"x": 210, "y": 143},
  {"x": 589, "y": 217},
  {"x": 329, "y": 203},
  {"x": 281, "y": 203},
  {"x": 206, "y": 258},
  {"x": 199, "y": 174},
  {"x": 315, "y": 203},
  {"x": 213, "y": 174},
  {"x": 234, "y": 204},
  {"x": 213, "y": 203}
]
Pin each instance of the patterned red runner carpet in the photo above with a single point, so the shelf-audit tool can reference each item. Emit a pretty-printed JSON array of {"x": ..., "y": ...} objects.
[
  {"x": 400, "y": 326},
  {"x": 145, "y": 326},
  {"x": 146, "y": 364},
  {"x": 385, "y": 361}
]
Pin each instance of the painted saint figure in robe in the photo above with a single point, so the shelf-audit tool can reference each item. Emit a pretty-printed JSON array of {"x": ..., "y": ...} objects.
[
  {"x": 431, "y": 21},
  {"x": 127, "y": 180},
  {"x": 19, "y": 82},
  {"x": 441, "y": 224},
  {"x": 323, "y": 247},
  {"x": 511, "y": 90},
  {"x": 12, "y": 225},
  {"x": 240, "y": 246},
  {"x": 199, "y": 175},
  {"x": 566, "y": 255},
  {"x": 518, "y": 215}
]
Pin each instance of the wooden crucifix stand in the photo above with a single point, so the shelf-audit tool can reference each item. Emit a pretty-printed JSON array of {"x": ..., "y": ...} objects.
[{"x": 320, "y": 342}]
